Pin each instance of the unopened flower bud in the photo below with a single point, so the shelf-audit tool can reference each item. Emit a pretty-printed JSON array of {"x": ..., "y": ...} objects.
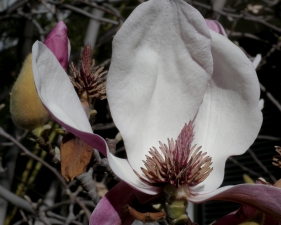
[{"x": 27, "y": 110}]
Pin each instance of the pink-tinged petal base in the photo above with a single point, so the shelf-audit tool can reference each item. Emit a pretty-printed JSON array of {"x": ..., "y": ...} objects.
[
  {"x": 243, "y": 214},
  {"x": 110, "y": 210},
  {"x": 215, "y": 26},
  {"x": 262, "y": 197},
  {"x": 57, "y": 42}
]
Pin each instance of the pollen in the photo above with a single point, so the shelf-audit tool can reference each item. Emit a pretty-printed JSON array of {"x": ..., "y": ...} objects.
[{"x": 177, "y": 163}]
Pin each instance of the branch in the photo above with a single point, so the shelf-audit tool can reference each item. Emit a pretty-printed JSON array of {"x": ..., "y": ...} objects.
[
  {"x": 16, "y": 200},
  {"x": 94, "y": 5},
  {"x": 243, "y": 167},
  {"x": 87, "y": 182},
  {"x": 28, "y": 153},
  {"x": 243, "y": 15},
  {"x": 103, "y": 162},
  {"x": 261, "y": 165},
  {"x": 81, "y": 11},
  {"x": 270, "y": 97}
]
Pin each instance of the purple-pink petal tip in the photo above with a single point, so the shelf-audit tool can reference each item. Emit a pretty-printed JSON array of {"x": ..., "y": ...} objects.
[
  {"x": 57, "y": 42},
  {"x": 216, "y": 26}
]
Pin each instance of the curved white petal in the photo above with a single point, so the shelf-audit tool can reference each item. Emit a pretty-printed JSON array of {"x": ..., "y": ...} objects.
[
  {"x": 160, "y": 67},
  {"x": 59, "y": 97},
  {"x": 124, "y": 171},
  {"x": 229, "y": 118}
]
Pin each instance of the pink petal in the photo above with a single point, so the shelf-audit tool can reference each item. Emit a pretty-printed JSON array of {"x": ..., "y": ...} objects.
[
  {"x": 261, "y": 197},
  {"x": 216, "y": 26},
  {"x": 241, "y": 215},
  {"x": 57, "y": 42},
  {"x": 110, "y": 211}
]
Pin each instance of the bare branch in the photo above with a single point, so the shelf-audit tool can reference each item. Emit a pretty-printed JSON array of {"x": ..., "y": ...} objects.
[
  {"x": 31, "y": 155},
  {"x": 16, "y": 200}
]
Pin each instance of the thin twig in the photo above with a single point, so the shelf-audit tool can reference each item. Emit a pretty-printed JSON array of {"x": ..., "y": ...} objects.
[
  {"x": 37, "y": 25},
  {"x": 246, "y": 169},
  {"x": 242, "y": 15},
  {"x": 266, "y": 137},
  {"x": 261, "y": 165},
  {"x": 16, "y": 200},
  {"x": 28, "y": 153},
  {"x": 270, "y": 97},
  {"x": 94, "y": 5},
  {"x": 73, "y": 8}
]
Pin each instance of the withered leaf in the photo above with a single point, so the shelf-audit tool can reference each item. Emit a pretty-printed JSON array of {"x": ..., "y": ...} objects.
[{"x": 75, "y": 156}]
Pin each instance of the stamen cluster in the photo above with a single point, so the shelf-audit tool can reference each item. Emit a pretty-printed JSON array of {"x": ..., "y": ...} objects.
[
  {"x": 88, "y": 77},
  {"x": 179, "y": 163}
]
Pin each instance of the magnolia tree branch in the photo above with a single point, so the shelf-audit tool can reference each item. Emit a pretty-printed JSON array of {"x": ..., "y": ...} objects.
[
  {"x": 101, "y": 8},
  {"x": 261, "y": 165},
  {"x": 244, "y": 168},
  {"x": 93, "y": 28},
  {"x": 241, "y": 15},
  {"x": 16, "y": 200},
  {"x": 271, "y": 138},
  {"x": 270, "y": 97},
  {"x": 31, "y": 155},
  {"x": 85, "y": 13},
  {"x": 87, "y": 182}
]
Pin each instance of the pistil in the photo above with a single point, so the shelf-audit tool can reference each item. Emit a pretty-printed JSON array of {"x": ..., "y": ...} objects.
[{"x": 177, "y": 163}]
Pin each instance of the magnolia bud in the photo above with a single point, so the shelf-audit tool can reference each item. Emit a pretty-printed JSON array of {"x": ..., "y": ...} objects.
[{"x": 27, "y": 110}]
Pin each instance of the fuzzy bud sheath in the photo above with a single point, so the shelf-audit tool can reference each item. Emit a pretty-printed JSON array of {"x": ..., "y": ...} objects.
[{"x": 27, "y": 110}]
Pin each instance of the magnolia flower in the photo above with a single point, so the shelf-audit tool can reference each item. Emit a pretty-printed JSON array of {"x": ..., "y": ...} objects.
[{"x": 170, "y": 77}]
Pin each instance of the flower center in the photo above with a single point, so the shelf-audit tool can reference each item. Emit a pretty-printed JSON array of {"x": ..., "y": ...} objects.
[
  {"x": 179, "y": 164},
  {"x": 87, "y": 78}
]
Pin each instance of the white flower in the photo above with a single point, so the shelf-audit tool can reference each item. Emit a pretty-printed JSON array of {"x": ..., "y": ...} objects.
[{"x": 167, "y": 69}]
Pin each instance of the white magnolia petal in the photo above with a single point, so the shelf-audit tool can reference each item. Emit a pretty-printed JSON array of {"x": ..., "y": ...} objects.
[
  {"x": 55, "y": 89},
  {"x": 229, "y": 118},
  {"x": 59, "y": 97},
  {"x": 199, "y": 198},
  {"x": 160, "y": 67},
  {"x": 61, "y": 100},
  {"x": 124, "y": 171}
]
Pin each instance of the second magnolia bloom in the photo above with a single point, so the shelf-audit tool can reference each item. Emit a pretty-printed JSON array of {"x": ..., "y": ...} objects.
[{"x": 199, "y": 75}]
